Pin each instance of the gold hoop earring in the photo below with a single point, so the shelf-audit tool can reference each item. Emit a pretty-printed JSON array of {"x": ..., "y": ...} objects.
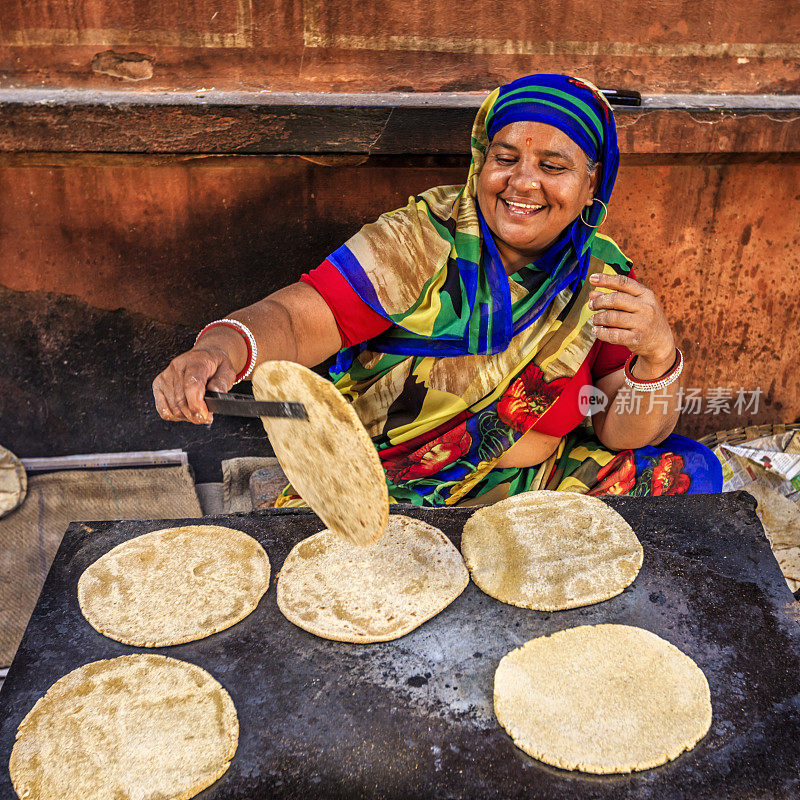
[{"x": 605, "y": 214}]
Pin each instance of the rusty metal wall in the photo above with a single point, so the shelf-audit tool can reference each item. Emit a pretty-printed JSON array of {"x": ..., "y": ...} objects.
[
  {"x": 122, "y": 258},
  {"x": 656, "y": 46}
]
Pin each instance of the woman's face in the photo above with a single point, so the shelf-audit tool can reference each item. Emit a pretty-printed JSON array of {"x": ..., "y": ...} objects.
[{"x": 533, "y": 185}]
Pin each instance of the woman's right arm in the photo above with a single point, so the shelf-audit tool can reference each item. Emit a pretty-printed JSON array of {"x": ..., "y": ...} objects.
[{"x": 292, "y": 324}]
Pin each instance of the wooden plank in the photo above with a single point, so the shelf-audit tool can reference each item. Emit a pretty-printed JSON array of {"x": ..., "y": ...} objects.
[{"x": 380, "y": 124}]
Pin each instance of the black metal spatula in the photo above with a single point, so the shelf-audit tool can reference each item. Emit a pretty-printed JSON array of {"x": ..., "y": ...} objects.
[{"x": 242, "y": 405}]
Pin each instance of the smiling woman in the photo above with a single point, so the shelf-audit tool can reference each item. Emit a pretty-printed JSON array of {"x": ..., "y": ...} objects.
[{"x": 471, "y": 323}]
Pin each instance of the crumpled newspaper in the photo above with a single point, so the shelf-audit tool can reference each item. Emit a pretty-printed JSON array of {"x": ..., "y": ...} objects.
[{"x": 772, "y": 461}]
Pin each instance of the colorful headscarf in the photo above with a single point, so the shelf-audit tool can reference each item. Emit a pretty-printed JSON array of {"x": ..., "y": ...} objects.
[{"x": 455, "y": 298}]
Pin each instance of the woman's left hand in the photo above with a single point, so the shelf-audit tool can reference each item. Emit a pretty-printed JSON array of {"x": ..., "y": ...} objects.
[{"x": 629, "y": 314}]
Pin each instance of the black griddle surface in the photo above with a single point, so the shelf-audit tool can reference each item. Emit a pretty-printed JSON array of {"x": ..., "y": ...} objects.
[{"x": 413, "y": 718}]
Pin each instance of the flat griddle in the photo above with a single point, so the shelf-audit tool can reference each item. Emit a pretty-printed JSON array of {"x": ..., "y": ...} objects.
[{"x": 413, "y": 718}]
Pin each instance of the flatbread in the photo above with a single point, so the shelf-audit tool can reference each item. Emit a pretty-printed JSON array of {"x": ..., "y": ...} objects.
[
  {"x": 778, "y": 514},
  {"x": 789, "y": 562},
  {"x": 13, "y": 482},
  {"x": 129, "y": 727},
  {"x": 551, "y": 550},
  {"x": 347, "y": 593},
  {"x": 602, "y": 698},
  {"x": 174, "y": 585},
  {"x": 329, "y": 458}
]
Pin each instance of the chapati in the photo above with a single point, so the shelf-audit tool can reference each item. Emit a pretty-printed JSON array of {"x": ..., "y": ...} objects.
[
  {"x": 13, "y": 482},
  {"x": 602, "y": 698},
  {"x": 340, "y": 591},
  {"x": 778, "y": 514},
  {"x": 551, "y": 550},
  {"x": 328, "y": 458},
  {"x": 174, "y": 585},
  {"x": 789, "y": 562},
  {"x": 137, "y": 726}
]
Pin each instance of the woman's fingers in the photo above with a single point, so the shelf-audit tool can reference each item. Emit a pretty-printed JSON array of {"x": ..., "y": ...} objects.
[
  {"x": 179, "y": 398},
  {"x": 198, "y": 372},
  {"x": 617, "y": 319},
  {"x": 165, "y": 411},
  {"x": 179, "y": 390},
  {"x": 616, "y": 300},
  {"x": 630, "y": 338},
  {"x": 223, "y": 379},
  {"x": 619, "y": 283},
  {"x": 629, "y": 314}
]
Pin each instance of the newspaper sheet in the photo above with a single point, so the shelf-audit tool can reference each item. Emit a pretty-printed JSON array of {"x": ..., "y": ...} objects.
[{"x": 773, "y": 461}]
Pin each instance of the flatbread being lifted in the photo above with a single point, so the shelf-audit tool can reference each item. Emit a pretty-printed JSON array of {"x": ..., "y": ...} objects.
[
  {"x": 329, "y": 458},
  {"x": 551, "y": 550},
  {"x": 339, "y": 591},
  {"x": 130, "y": 727},
  {"x": 174, "y": 585},
  {"x": 602, "y": 698}
]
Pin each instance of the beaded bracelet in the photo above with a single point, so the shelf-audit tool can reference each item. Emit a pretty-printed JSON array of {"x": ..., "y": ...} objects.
[
  {"x": 659, "y": 383},
  {"x": 249, "y": 340}
]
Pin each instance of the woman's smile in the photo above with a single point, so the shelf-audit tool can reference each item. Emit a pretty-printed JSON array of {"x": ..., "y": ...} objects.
[{"x": 521, "y": 208}]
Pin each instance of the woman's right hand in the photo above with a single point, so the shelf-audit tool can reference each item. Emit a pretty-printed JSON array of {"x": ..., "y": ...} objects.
[
  {"x": 180, "y": 388},
  {"x": 293, "y": 324}
]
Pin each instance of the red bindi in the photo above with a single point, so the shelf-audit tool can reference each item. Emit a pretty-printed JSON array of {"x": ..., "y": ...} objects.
[{"x": 529, "y": 141}]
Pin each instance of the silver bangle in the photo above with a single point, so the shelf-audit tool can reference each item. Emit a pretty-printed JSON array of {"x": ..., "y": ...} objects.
[
  {"x": 653, "y": 386},
  {"x": 252, "y": 347}
]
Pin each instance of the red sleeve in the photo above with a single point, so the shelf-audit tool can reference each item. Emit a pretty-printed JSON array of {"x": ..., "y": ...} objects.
[
  {"x": 609, "y": 357},
  {"x": 355, "y": 320}
]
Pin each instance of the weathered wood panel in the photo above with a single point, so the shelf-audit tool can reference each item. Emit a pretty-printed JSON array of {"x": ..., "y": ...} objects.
[
  {"x": 174, "y": 242},
  {"x": 400, "y": 45},
  {"x": 377, "y": 124}
]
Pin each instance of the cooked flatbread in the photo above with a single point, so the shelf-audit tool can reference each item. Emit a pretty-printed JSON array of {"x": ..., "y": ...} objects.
[
  {"x": 602, "y": 698},
  {"x": 329, "y": 458},
  {"x": 130, "y": 727},
  {"x": 340, "y": 591},
  {"x": 789, "y": 562},
  {"x": 778, "y": 514},
  {"x": 13, "y": 482},
  {"x": 551, "y": 550},
  {"x": 174, "y": 585}
]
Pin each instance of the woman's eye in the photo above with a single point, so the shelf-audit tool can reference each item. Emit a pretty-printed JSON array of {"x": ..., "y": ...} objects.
[
  {"x": 553, "y": 167},
  {"x": 504, "y": 160}
]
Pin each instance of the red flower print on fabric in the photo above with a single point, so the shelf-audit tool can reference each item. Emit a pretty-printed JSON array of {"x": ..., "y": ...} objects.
[
  {"x": 667, "y": 476},
  {"x": 618, "y": 476},
  {"x": 431, "y": 457},
  {"x": 528, "y": 397}
]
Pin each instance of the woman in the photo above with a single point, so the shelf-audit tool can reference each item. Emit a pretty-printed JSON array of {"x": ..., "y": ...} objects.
[{"x": 471, "y": 324}]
